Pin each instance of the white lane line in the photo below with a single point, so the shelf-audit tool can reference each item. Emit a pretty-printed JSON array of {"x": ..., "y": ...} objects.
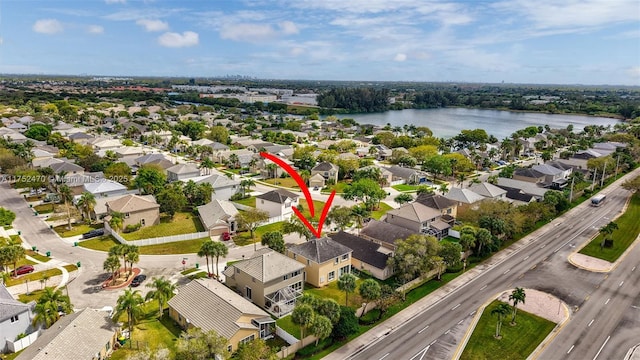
[
  {"x": 634, "y": 269},
  {"x": 606, "y": 302},
  {"x": 455, "y": 307},
  {"x": 425, "y": 352},
  {"x": 423, "y": 329},
  {"x": 602, "y": 347},
  {"x": 621, "y": 282},
  {"x": 526, "y": 257},
  {"x": 506, "y": 272},
  {"x": 558, "y": 249},
  {"x": 542, "y": 247},
  {"x": 484, "y": 287},
  {"x": 472, "y": 313},
  {"x": 385, "y": 355},
  {"x": 460, "y": 322},
  {"x": 448, "y": 331},
  {"x": 591, "y": 322},
  {"x": 433, "y": 342},
  {"x": 571, "y": 348}
]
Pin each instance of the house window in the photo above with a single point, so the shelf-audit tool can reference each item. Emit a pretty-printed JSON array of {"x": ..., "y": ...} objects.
[
  {"x": 261, "y": 201},
  {"x": 448, "y": 211},
  {"x": 229, "y": 348},
  {"x": 345, "y": 257},
  {"x": 248, "y": 292},
  {"x": 297, "y": 286},
  {"x": 295, "y": 256},
  {"x": 14, "y": 318},
  {"x": 126, "y": 215},
  {"x": 337, "y": 259},
  {"x": 295, "y": 273},
  {"x": 332, "y": 275},
  {"x": 247, "y": 339},
  {"x": 107, "y": 347},
  {"x": 142, "y": 222},
  {"x": 308, "y": 262},
  {"x": 344, "y": 270},
  {"x": 285, "y": 277}
]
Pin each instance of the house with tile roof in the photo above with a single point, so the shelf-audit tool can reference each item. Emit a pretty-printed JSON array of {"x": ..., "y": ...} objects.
[
  {"x": 489, "y": 190},
  {"x": 182, "y": 171},
  {"x": 524, "y": 186},
  {"x": 104, "y": 188},
  {"x": 367, "y": 256},
  {"x": 404, "y": 175},
  {"x": 86, "y": 334},
  {"x": 12, "y": 135},
  {"x": 218, "y": 216},
  {"x": 277, "y": 203},
  {"x": 66, "y": 166},
  {"x": 327, "y": 170},
  {"x": 15, "y": 319},
  {"x": 325, "y": 260},
  {"x": 209, "y": 305},
  {"x": 384, "y": 233},
  {"x": 419, "y": 219},
  {"x": 463, "y": 196},
  {"x": 136, "y": 210},
  {"x": 268, "y": 279}
]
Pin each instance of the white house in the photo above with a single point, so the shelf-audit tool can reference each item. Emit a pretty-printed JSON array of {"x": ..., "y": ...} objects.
[
  {"x": 278, "y": 202},
  {"x": 182, "y": 171},
  {"x": 223, "y": 187},
  {"x": 105, "y": 188}
]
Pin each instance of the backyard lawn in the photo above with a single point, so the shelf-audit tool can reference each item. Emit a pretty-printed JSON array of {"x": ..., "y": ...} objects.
[
  {"x": 286, "y": 324},
  {"x": 44, "y": 208},
  {"x": 382, "y": 209},
  {"x": 285, "y": 182},
  {"x": 628, "y": 230},
  {"x": 105, "y": 243},
  {"x": 244, "y": 238},
  {"x": 250, "y": 201},
  {"x": 517, "y": 342},
  {"x": 331, "y": 291},
  {"x": 338, "y": 187},
  {"x": 405, "y": 187},
  {"x": 102, "y": 243},
  {"x": 76, "y": 229},
  {"x": 182, "y": 223}
]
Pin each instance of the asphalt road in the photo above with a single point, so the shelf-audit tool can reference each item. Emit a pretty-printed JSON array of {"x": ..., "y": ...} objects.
[{"x": 542, "y": 264}]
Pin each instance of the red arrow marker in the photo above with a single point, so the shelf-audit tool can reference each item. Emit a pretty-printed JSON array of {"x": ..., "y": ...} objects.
[{"x": 305, "y": 190}]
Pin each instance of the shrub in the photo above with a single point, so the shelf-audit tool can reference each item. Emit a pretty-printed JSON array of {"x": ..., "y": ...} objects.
[
  {"x": 238, "y": 196},
  {"x": 371, "y": 317},
  {"x": 455, "y": 268},
  {"x": 6, "y": 217},
  {"x": 132, "y": 228}
]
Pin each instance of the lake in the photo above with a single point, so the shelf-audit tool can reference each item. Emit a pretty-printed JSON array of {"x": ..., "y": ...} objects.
[{"x": 448, "y": 122}]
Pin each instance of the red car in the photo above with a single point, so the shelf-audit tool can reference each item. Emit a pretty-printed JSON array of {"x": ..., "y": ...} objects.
[
  {"x": 226, "y": 236},
  {"x": 24, "y": 269}
]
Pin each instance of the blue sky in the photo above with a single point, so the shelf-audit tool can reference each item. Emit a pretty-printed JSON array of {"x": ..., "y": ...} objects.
[{"x": 515, "y": 41}]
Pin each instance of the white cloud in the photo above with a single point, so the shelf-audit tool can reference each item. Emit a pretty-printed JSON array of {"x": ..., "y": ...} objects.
[
  {"x": 288, "y": 28},
  {"x": 115, "y": 1},
  {"x": 400, "y": 57},
  {"x": 153, "y": 25},
  {"x": 95, "y": 29},
  {"x": 48, "y": 26},
  {"x": 172, "y": 39},
  {"x": 634, "y": 71},
  {"x": 247, "y": 32}
]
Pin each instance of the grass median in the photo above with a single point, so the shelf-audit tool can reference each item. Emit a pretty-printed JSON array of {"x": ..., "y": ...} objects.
[
  {"x": 105, "y": 243},
  {"x": 628, "y": 230}
]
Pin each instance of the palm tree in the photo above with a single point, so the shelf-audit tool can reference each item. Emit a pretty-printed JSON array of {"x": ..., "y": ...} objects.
[
  {"x": 219, "y": 249},
  {"x": 233, "y": 161},
  {"x": 501, "y": 311},
  {"x": 164, "y": 290},
  {"x": 207, "y": 164},
  {"x": 48, "y": 307},
  {"x": 86, "y": 203},
  {"x": 120, "y": 250},
  {"x": 116, "y": 221},
  {"x": 112, "y": 265},
  {"x": 517, "y": 296},
  {"x": 271, "y": 169},
  {"x": 132, "y": 256},
  {"x": 347, "y": 283},
  {"x": 15, "y": 254},
  {"x": 206, "y": 250},
  {"x": 130, "y": 302},
  {"x": 360, "y": 212},
  {"x": 246, "y": 185},
  {"x": 606, "y": 231},
  {"x": 44, "y": 280},
  {"x": 67, "y": 196}
]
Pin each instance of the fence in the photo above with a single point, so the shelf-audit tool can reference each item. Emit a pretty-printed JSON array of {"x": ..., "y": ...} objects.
[
  {"x": 155, "y": 241},
  {"x": 291, "y": 349},
  {"x": 15, "y": 346},
  {"x": 242, "y": 207}
]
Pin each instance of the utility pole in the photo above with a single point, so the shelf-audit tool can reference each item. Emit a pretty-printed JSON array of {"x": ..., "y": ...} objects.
[
  {"x": 593, "y": 179},
  {"x": 573, "y": 179},
  {"x": 603, "y": 171},
  {"x": 617, "y": 163}
]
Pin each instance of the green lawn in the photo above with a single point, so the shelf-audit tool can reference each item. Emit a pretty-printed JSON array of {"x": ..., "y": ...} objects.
[
  {"x": 287, "y": 325},
  {"x": 517, "y": 342},
  {"x": 244, "y": 238},
  {"x": 70, "y": 267},
  {"x": 382, "y": 209},
  {"x": 182, "y": 223},
  {"x": 34, "y": 278},
  {"x": 250, "y": 201},
  {"x": 338, "y": 187},
  {"x": 189, "y": 271},
  {"x": 37, "y": 256},
  {"x": 76, "y": 229},
  {"x": 33, "y": 296},
  {"x": 331, "y": 291},
  {"x": 286, "y": 182},
  {"x": 150, "y": 332},
  {"x": 628, "y": 230},
  {"x": 317, "y": 205},
  {"x": 105, "y": 243},
  {"x": 44, "y": 208},
  {"x": 405, "y": 187}
]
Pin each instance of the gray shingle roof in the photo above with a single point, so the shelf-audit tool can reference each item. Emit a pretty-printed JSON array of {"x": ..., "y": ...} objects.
[
  {"x": 320, "y": 250},
  {"x": 402, "y": 172},
  {"x": 216, "y": 212},
  {"x": 65, "y": 166},
  {"x": 278, "y": 196},
  {"x": 324, "y": 166},
  {"x": 528, "y": 173},
  {"x": 10, "y": 306},
  {"x": 435, "y": 201},
  {"x": 184, "y": 169},
  {"x": 209, "y": 305},
  {"x": 104, "y": 185},
  {"x": 487, "y": 189},
  {"x": 464, "y": 195},
  {"x": 76, "y": 336},
  {"x": 385, "y": 232},
  {"x": 363, "y": 250},
  {"x": 267, "y": 266},
  {"x": 131, "y": 203},
  {"x": 415, "y": 212}
]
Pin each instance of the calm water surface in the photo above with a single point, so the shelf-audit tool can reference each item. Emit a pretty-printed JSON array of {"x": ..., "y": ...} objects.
[{"x": 448, "y": 122}]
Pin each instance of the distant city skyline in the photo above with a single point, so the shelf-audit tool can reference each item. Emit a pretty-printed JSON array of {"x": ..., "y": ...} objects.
[{"x": 590, "y": 42}]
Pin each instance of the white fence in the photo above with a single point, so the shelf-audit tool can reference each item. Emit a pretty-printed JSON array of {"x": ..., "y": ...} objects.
[
  {"x": 155, "y": 241},
  {"x": 242, "y": 207},
  {"x": 290, "y": 339},
  {"x": 454, "y": 233},
  {"x": 398, "y": 182},
  {"x": 15, "y": 346}
]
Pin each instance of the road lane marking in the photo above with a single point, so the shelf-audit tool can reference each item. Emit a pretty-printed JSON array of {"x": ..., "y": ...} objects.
[
  {"x": 526, "y": 257},
  {"x": 521, "y": 276},
  {"x": 634, "y": 269},
  {"x": 423, "y": 329},
  {"x": 571, "y": 348},
  {"x": 448, "y": 331},
  {"x": 455, "y": 307},
  {"x": 472, "y": 313},
  {"x": 558, "y": 249},
  {"x": 542, "y": 247},
  {"x": 433, "y": 342},
  {"x": 606, "y": 302},
  {"x": 602, "y": 347},
  {"x": 484, "y": 287},
  {"x": 460, "y": 322},
  {"x": 591, "y": 322},
  {"x": 385, "y": 355},
  {"x": 423, "y": 352},
  {"x": 621, "y": 282},
  {"x": 506, "y": 272},
  {"x": 545, "y": 259}
]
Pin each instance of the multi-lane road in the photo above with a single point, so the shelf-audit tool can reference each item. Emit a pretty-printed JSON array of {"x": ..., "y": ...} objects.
[{"x": 607, "y": 299}]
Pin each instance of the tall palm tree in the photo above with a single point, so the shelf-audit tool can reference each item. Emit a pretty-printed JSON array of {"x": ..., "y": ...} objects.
[
  {"x": 86, "y": 203},
  {"x": 112, "y": 265},
  {"x": 163, "y": 291},
  {"x": 120, "y": 250},
  {"x": 501, "y": 311},
  {"x": 48, "y": 307},
  {"x": 116, "y": 221},
  {"x": 246, "y": 185},
  {"x": 606, "y": 231},
  {"x": 130, "y": 302},
  {"x": 271, "y": 170},
  {"x": 360, "y": 212},
  {"x": 233, "y": 161},
  {"x": 16, "y": 253},
  {"x": 67, "y": 196},
  {"x": 206, "y": 250},
  {"x": 219, "y": 249},
  {"x": 133, "y": 256},
  {"x": 517, "y": 296},
  {"x": 207, "y": 164}
]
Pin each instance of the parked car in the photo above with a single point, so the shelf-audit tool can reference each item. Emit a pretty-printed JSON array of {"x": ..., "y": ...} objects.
[
  {"x": 24, "y": 269},
  {"x": 138, "y": 280},
  {"x": 93, "y": 233},
  {"x": 315, "y": 188},
  {"x": 226, "y": 236}
]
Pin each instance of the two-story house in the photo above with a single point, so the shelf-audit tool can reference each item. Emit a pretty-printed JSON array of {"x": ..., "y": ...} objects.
[
  {"x": 367, "y": 255},
  {"x": 104, "y": 188},
  {"x": 136, "y": 210},
  {"x": 182, "y": 171},
  {"x": 327, "y": 170},
  {"x": 420, "y": 219},
  {"x": 15, "y": 318},
  {"x": 268, "y": 279},
  {"x": 325, "y": 260},
  {"x": 278, "y": 202},
  {"x": 223, "y": 187}
]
